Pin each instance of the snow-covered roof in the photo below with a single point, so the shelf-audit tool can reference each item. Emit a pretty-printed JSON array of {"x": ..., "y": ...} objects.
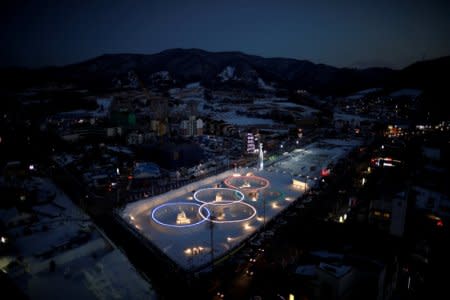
[
  {"x": 350, "y": 117},
  {"x": 88, "y": 265},
  {"x": 146, "y": 169},
  {"x": 64, "y": 159},
  {"x": 306, "y": 270},
  {"x": 406, "y": 92},
  {"x": 362, "y": 93},
  {"x": 164, "y": 75},
  {"x": 327, "y": 254},
  {"x": 309, "y": 161},
  {"x": 193, "y": 85},
  {"x": 335, "y": 270},
  {"x": 119, "y": 149},
  {"x": 233, "y": 118},
  {"x": 11, "y": 216}
]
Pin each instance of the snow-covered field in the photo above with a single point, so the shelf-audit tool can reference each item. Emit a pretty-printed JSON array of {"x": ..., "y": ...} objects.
[
  {"x": 363, "y": 93},
  {"x": 413, "y": 93},
  {"x": 310, "y": 160},
  {"x": 351, "y": 117},
  {"x": 176, "y": 242},
  {"x": 219, "y": 108},
  {"x": 190, "y": 245},
  {"x": 241, "y": 120}
]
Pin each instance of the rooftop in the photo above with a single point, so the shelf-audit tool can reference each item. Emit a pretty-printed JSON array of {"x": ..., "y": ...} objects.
[
  {"x": 87, "y": 265},
  {"x": 335, "y": 270}
]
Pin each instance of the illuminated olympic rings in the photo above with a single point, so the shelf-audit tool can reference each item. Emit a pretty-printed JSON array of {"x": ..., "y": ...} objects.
[{"x": 232, "y": 193}]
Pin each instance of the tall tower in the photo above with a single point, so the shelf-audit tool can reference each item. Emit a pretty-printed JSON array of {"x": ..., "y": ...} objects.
[
  {"x": 250, "y": 143},
  {"x": 261, "y": 158}
]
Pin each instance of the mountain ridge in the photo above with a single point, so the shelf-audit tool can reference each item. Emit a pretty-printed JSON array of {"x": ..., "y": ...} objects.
[{"x": 189, "y": 65}]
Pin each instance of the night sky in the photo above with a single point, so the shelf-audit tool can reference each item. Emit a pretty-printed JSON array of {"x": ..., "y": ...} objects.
[{"x": 341, "y": 33}]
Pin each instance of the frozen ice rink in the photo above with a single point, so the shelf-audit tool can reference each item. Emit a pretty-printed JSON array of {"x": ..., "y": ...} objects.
[{"x": 232, "y": 205}]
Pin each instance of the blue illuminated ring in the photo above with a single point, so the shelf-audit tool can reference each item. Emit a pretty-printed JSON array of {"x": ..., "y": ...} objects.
[
  {"x": 225, "y": 221},
  {"x": 203, "y": 219},
  {"x": 214, "y": 202}
]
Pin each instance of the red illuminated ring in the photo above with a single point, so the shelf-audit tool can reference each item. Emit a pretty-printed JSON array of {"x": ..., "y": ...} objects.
[{"x": 228, "y": 182}]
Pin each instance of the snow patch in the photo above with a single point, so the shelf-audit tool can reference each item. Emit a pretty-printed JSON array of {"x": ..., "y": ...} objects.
[
  {"x": 245, "y": 121},
  {"x": 227, "y": 73},
  {"x": 163, "y": 75},
  {"x": 363, "y": 93},
  {"x": 104, "y": 106},
  {"x": 406, "y": 92},
  {"x": 193, "y": 85},
  {"x": 368, "y": 91},
  {"x": 264, "y": 86}
]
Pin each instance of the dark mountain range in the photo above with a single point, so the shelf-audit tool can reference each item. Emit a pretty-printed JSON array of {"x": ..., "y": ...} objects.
[
  {"x": 191, "y": 65},
  {"x": 430, "y": 74}
]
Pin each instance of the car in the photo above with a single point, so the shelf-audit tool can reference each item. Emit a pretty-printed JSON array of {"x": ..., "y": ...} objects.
[
  {"x": 220, "y": 294},
  {"x": 249, "y": 272}
]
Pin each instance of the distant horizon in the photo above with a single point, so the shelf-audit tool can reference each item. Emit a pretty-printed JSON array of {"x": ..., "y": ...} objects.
[
  {"x": 347, "y": 33},
  {"x": 219, "y": 51}
]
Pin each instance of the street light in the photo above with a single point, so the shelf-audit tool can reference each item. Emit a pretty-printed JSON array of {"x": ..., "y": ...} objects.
[
  {"x": 211, "y": 228},
  {"x": 306, "y": 183},
  {"x": 191, "y": 252},
  {"x": 264, "y": 211}
]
